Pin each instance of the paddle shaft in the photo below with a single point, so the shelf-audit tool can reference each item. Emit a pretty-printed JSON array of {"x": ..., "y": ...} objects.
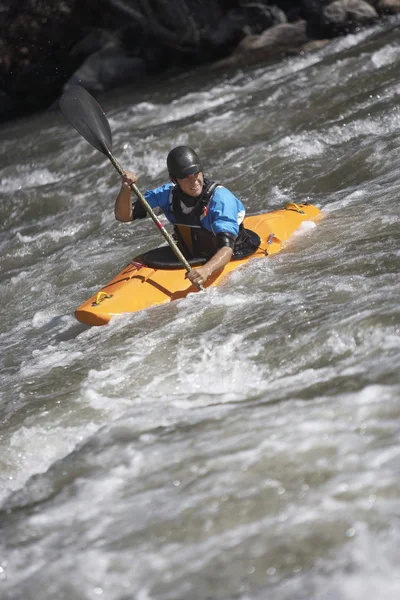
[{"x": 153, "y": 216}]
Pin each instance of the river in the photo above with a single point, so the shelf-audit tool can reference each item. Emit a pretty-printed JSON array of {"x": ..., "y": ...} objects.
[{"x": 239, "y": 444}]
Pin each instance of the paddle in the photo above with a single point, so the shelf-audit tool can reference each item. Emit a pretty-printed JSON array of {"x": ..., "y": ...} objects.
[{"x": 89, "y": 119}]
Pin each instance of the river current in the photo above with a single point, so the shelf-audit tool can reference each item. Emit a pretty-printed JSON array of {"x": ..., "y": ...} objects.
[{"x": 242, "y": 443}]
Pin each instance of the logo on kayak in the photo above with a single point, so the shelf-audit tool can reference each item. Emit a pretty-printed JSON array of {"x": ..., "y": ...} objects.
[{"x": 100, "y": 297}]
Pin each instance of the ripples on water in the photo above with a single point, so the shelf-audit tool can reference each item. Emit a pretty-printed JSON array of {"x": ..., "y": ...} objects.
[{"x": 243, "y": 443}]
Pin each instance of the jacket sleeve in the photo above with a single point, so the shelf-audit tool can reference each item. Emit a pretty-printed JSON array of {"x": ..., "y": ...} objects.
[
  {"x": 226, "y": 212},
  {"x": 138, "y": 210},
  {"x": 157, "y": 198},
  {"x": 225, "y": 239}
]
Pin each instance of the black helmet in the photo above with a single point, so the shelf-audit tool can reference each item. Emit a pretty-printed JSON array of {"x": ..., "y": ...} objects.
[{"x": 183, "y": 161}]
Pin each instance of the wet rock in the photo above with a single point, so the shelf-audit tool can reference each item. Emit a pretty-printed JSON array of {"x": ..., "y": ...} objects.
[
  {"x": 347, "y": 15},
  {"x": 106, "y": 68},
  {"x": 314, "y": 45},
  {"x": 331, "y": 19},
  {"x": 245, "y": 19},
  {"x": 390, "y": 7},
  {"x": 45, "y": 45},
  {"x": 273, "y": 43},
  {"x": 92, "y": 42}
]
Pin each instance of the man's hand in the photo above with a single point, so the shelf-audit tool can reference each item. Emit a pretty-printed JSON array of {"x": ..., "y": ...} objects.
[
  {"x": 128, "y": 178},
  {"x": 217, "y": 262},
  {"x": 198, "y": 276}
]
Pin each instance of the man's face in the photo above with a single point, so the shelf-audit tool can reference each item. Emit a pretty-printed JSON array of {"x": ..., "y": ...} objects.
[{"x": 192, "y": 185}]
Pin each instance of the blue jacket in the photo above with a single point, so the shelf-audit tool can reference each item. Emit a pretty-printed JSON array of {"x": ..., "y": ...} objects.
[{"x": 225, "y": 211}]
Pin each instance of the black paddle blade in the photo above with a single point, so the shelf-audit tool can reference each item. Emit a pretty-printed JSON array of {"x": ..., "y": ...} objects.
[{"x": 88, "y": 118}]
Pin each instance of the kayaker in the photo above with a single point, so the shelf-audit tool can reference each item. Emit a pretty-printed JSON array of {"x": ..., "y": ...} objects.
[{"x": 207, "y": 217}]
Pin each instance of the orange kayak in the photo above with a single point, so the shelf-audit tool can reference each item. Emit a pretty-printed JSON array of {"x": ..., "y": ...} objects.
[{"x": 143, "y": 284}]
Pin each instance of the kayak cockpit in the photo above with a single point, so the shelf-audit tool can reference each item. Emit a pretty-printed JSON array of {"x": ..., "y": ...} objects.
[{"x": 164, "y": 257}]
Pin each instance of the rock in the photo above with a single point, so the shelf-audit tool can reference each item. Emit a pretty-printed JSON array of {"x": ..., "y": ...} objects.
[
  {"x": 126, "y": 39},
  {"x": 390, "y": 7},
  {"x": 345, "y": 15},
  {"x": 241, "y": 21},
  {"x": 95, "y": 40},
  {"x": 269, "y": 45},
  {"x": 107, "y": 68},
  {"x": 314, "y": 45},
  {"x": 330, "y": 19},
  {"x": 260, "y": 16}
]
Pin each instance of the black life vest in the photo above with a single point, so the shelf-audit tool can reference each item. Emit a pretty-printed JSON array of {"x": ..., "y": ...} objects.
[{"x": 193, "y": 239}]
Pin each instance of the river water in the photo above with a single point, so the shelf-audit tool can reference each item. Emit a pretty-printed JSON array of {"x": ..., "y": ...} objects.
[{"x": 238, "y": 444}]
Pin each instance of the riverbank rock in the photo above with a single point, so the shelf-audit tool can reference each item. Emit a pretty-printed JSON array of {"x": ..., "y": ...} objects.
[
  {"x": 107, "y": 67},
  {"x": 236, "y": 24},
  {"x": 331, "y": 19},
  {"x": 273, "y": 43},
  {"x": 47, "y": 45},
  {"x": 389, "y": 7}
]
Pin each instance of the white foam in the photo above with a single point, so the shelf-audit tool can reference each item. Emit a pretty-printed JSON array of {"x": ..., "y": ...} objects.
[
  {"x": 52, "y": 234},
  {"x": 46, "y": 317},
  {"x": 351, "y": 39},
  {"x": 21, "y": 276},
  {"x": 305, "y": 226},
  {"x": 348, "y": 200},
  {"x": 43, "y": 361},
  {"x": 27, "y": 178},
  {"x": 33, "y": 449},
  {"x": 301, "y": 145},
  {"x": 386, "y": 56},
  {"x": 191, "y": 104}
]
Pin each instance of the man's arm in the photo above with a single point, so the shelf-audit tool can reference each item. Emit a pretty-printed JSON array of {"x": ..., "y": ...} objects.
[
  {"x": 123, "y": 202},
  {"x": 226, "y": 213},
  {"x": 226, "y": 243},
  {"x": 216, "y": 263}
]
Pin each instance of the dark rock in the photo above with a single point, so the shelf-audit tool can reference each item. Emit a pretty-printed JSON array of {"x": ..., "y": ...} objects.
[
  {"x": 46, "y": 45},
  {"x": 93, "y": 41},
  {"x": 388, "y": 7},
  {"x": 330, "y": 19},
  {"x": 246, "y": 18},
  {"x": 273, "y": 43},
  {"x": 347, "y": 15},
  {"x": 107, "y": 68}
]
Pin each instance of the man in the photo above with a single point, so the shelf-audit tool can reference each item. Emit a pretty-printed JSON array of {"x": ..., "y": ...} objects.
[{"x": 206, "y": 216}]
